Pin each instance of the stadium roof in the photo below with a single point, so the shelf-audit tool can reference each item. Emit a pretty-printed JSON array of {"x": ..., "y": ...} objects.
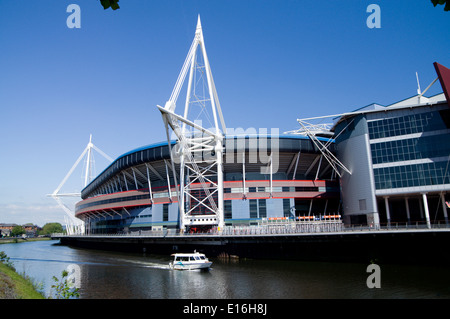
[{"x": 138, "y": 159}]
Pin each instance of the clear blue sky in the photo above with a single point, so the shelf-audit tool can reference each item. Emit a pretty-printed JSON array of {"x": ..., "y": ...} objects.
[{"x": 273, "y": 61}]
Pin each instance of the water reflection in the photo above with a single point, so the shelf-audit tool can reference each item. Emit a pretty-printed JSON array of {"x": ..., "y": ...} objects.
[{"x": 121, "y": 275}]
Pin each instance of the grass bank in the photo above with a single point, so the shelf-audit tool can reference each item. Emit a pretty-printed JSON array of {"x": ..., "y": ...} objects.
[
  {"x": 8, "y": 240},
  {"x": 14, "y": 286}
]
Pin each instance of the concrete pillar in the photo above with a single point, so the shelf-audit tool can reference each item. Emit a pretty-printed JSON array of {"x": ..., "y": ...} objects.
[
  {"x": 425, "y": 206},
  {"x": 388, "y": 214},
  {"x": 444, "y": 208},
  {"x": 373, "y": 220},
  {"x": 407, "y": 210}
]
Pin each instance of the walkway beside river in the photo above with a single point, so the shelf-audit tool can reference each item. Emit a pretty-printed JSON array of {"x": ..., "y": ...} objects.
[{"x": 281, "y": 228}]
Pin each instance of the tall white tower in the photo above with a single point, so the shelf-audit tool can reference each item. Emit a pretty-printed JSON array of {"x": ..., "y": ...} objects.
[
  {"x": 199, "y": 150},
  {"x": 73, "y": 224}
]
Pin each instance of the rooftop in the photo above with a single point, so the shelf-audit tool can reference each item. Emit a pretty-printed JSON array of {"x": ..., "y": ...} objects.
[{"x": 414, "y": 101}]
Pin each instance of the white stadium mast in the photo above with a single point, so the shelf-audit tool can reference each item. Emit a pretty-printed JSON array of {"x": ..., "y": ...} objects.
[
  {"x": 199, "y": 150},
  {"x": 74, "y": 225}
]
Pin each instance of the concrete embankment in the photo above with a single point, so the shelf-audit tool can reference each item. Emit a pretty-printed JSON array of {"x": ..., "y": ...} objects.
[{"x": 408, "y": 246}]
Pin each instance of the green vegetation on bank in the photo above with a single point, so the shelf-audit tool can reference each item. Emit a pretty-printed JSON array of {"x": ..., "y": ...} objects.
[
  {"x": 51, "y": 228},
  {"x": 12, "y": 240},
  {"x": 30, "y": 230},
  {"x": 14, "y": 285},
  {"x": 20, "y": 286}
]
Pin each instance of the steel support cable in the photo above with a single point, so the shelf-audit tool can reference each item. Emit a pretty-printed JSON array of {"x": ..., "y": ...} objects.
[
  {"x": 182, "y": 75},
  {"x": 332, "y": 160}
]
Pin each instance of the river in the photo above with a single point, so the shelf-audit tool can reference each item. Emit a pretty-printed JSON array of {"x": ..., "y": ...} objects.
[{"x": 118, "y": 275}]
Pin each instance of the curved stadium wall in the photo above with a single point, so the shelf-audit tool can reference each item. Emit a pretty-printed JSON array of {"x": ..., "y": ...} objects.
[{"x": 137, "y": 192}]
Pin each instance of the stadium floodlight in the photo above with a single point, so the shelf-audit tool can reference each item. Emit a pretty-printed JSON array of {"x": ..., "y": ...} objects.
[
  {"x": 74, "y": 225},
  {"x": 200, "y": 150}
]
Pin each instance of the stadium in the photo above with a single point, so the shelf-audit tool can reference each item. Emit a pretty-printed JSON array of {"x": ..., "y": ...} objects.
[
  {"x": 371, "y": 185},
  {"x": 205, "y": 179},
  {"x": 138, "y": 191}
]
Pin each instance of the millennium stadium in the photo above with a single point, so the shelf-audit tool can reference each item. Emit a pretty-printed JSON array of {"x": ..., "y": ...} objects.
[
  {"x": 140, "y": 190},
  {"x": 384, "y": 169},
  {"x": 205, "y": 179}
]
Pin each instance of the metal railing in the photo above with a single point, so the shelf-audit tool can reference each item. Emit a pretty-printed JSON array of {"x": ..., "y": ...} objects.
[
  {"x": 280, "y": 228},
  {"x": 286, "y": 228},
  {"x": 290, "y": 227},
  {"x": 415, "y": 225}
]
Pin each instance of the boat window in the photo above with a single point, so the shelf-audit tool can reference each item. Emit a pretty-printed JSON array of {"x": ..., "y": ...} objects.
[
  {"x": 181, "y": 258},
  {"x": 197, "y": 258},
  {"x": 202, "y": 257},
  {"x": 192, "y": 258}
]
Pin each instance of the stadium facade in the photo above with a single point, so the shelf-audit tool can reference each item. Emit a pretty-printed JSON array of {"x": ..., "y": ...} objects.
[
  {"x": 374, "y": 166},
  {"x": 138, "y": 191},
  {"x": 204, "y": 179}
]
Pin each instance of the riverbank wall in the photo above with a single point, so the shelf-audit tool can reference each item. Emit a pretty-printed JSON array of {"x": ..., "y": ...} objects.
[{"x": 425, "y": 246}]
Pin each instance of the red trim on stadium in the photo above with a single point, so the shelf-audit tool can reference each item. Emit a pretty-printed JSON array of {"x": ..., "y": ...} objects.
[{"x": 227, "y": 196}]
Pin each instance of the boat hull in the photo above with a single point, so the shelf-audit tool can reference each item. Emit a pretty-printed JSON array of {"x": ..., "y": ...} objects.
[{"x": 190, "y": 266}]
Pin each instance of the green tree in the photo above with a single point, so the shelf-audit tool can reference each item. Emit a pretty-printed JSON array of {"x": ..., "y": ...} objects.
[
  {"x": 5, "y": 260},
  {"x": 17, "y": 231},
  {"x": 51, "y": 228},
  {"x": 113, "y": 4},
  {"x": 110, "y": 4},
  {"x": 441, "y": 2}
]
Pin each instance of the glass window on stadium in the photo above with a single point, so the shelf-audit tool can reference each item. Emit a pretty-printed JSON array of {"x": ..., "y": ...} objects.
[
  {"x": 165, "y": 212},
  {"x": 409, "y": 124},
  {"x": 262, "y": 208},
  {"x": 412, "y": 175},
  {"x": 253, "y": 208},
  {"x": 286, "y": 207},
  {"x": 411, "y": 149},
  {"x": 227, "y": 209}
]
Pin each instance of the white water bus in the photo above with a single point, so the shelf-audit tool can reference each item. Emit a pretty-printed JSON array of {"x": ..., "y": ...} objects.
[{"x": 190, "y": 261}]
